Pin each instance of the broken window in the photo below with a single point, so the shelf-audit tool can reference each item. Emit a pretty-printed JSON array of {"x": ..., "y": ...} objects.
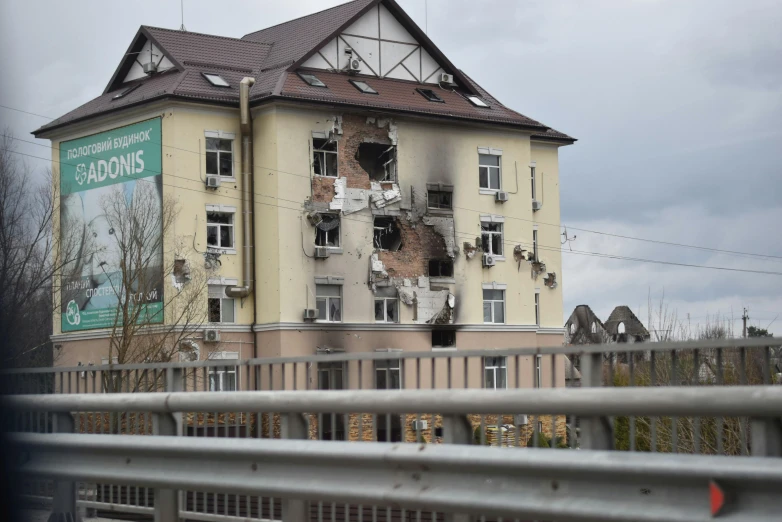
[
  {"x": 387, "y": 234},
  {"x": 324, "y": 157},
  {"x": 386, "y": 305},
  {"x": 441, "y": 268},
  {"x": 219, "y": 157},
  {"x": 220, "y": 229},
  {"x": 379, "y": 160},
  {"x": 489, "y": 171},
  {"x": 327, "y": 231},
  {"x": 495, "y": 373},
  {"x": 491, "y": 238},
  {"x": 221, "y": 308},
  {"x": 443, "y": 338},
  {"x": 329, "y": 302},
  {"x": 440, "y": 199},
  {"x": 494, "y": 306}
]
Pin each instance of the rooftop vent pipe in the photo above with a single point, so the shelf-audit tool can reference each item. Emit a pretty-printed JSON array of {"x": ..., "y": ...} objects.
[{"x": 246, "y": 127}]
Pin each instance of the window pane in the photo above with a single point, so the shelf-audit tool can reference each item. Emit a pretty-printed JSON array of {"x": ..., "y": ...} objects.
[
  {"x": 229, "y": 381},
  {"x": 485, "y": 242},
  {"x": 335, "y": 309},
  {"x": 489, "y": 377},
  {"x": 317, "y": 163},
  {"x": 494, "y": 295},
  {"x": 501, "y": 378},
  {"x": 496, "y": 244},
  {"x": 327, "y": 290},
  {"x": 434, "y": 199},
  {"x": 214, "y": 310},
  {"x": 391, "y": 310},
  {"x": 486, "y": 312},
  {"x": 212, "y": 144},
  {"x": 321, "y": 305},
  {"x": 323, "y": 380},
  {"x": 499, "y": 312},
  {"x": 228, "y": 310},
  {"x": 225, "y": 237},
  {"x": 213, "y": 380},
  {"x": 494, "y": 178},
  {"x": 211, "y": 162},
  {"x": 219, "y": 217},
  {"x": 382, "y": 382},
  {"x": 395, "y": 376},
  {"x": 224, "y": 145},
  {"x": 445, "y": 199},
  {"x": 483, "y": 175},
  {"x": 379, "y": 310},
  {"x": 331, "y": 164},
  {"x": 489, "y": 159},
  {"x": 226, "y": 169},
  {"x": 211, "y": 236}
]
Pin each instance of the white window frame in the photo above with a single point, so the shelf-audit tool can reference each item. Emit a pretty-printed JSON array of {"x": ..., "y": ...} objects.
[
  {"x": 488, "y": 151},
  {"x": 538, "y": 372},
  {"x": 534, "y": 186},
  {"x": 498, "y": 256},
  {"x": 535, "y": 244},
  {"x": 492, "y": 301},
  {"x": 221, "y": 135},
  {"x": 537, "y": 307},
  {"x": 328, "y": 299},
  {"x": 385, "y": 309},
  {"x": 331, "y": 369},
  {"x": 388, "y": 366},
  {"x": 498, "y": 365},
  {"x": 218, "y": 292},
  {"x": 220, "y": 209},
  {"x": 220, "y": 372},
  {"x": 338, "y": 246},
  {"x": 322, "y": 153}
]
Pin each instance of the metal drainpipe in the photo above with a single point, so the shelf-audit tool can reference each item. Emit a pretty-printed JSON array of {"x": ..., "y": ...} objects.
[{"x": 247, "y": 192}]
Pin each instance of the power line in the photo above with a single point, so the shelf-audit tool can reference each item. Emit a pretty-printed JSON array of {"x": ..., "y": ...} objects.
[
  {"x": 590, "y": 231},
  {"x": 456, "y": 233}
]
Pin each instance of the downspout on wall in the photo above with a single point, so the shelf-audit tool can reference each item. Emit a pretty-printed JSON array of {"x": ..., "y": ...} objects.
[{"x": 245, "y": 121}]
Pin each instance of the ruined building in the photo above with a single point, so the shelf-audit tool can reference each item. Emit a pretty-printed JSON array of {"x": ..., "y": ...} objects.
[{"x": 349, "y": 186}]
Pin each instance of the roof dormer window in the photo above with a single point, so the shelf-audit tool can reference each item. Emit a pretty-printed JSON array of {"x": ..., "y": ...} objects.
[
  {"x": 216, "y": 80},
  {"x": 478, "y": 102},
  {"x": 125, "y": 92},
  {"x": 430, "y": 95},
  {"x": 363, "y": 87},
  {"x": 311, "y": 79}
]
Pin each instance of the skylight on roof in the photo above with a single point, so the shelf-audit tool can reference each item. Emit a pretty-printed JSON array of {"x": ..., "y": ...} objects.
[
  {"x": 430, "y": 95},
  {"x": 125, "y": 92},
  {"x": 478, "y": 102},
  {"x": 363, "y": 87},
  {"x": 216, "y": 80},
  {"x": 311, "y": 79}
]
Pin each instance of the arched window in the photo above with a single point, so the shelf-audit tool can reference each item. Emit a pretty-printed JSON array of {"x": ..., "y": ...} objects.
[
  {"x": 594, "y": 327},
  {"x": 621, "y": 328}
]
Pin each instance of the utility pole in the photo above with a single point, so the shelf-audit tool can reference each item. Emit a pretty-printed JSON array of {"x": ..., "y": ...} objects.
[{"x": 744, "y": 319}]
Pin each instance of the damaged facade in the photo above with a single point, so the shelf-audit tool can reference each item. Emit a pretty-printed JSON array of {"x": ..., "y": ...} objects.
[{"x": 383, "y": 217}]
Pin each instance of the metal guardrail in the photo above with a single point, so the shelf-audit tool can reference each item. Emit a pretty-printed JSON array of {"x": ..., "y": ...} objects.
[{"x": 461, "y": 481}]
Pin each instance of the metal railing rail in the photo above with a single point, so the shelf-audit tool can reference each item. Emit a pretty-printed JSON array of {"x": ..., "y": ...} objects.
[{"x": 535, "y": 484}]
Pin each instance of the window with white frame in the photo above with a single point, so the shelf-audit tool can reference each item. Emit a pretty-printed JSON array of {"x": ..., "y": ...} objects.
[
  {"x": 535, "y": 244},
  {"x": 493, "y": 306},
  {"x": 489, "y": 171},
  {"x": 330, "y": 375},
  {"x": 223, "y": 378},
  {"x": 222, "y": 309},
  {"x": 538, "y": 373},
  {"x": 532, "y": 181},
  {"x": 537, "y": 308},
  {"x": 386, "y": 305},
  {"x": 329, "y": 303},
  {"x": 491, "y": 238},
  {"x": 388, "y": 374},
  {"x": 327, "y": 231},
  {"x": 324, "y": 157},
  {"x": 219, "y": 157},
  {"x": 495, "y": 373},
  {"x": 220, "y": 229}
]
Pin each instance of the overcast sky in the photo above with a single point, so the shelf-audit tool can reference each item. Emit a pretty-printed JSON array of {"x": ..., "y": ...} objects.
[{"x": 677, "y": 106}]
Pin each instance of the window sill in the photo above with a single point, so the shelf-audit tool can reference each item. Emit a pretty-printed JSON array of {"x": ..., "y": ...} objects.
[
  {"x": 488, "y": 192},
  {"x": 322, "y": 321},
  {"x": 443, "y": 280},
  {"x": 386, "y": 322},
  {"x": 439, "y": 211},
  {"x": 500, "y": 324},
  {"x": 444, "y": 348},
  {"x": 221, "y": 251}
]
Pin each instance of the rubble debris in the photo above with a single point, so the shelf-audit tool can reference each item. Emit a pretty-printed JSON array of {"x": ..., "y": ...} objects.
[
  {"x": 387, "y": 235},
  {"x": 340, "y": 185},
  {"x": 383, "y": 197},
  {"x": 378, "y": 160},
  {"x": 382, "y": 123},
  {"x": 469, "y": 250},
  {"x": 431, "y": 304},
  {"x": 181, "y": 273},
  {"x": 518, "y": 255},
  {"x": 550, "y": 280},
  {"x": 443, "y": 225},
  {"x": 538, "y": 267}
]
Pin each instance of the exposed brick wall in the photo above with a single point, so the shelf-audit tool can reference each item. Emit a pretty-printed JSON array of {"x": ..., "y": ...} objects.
[
  {"x": 322, "y": 189},
  {"x": 420, "y": 243}
]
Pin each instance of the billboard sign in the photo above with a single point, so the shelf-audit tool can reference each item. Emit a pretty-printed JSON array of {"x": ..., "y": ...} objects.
[{"x": 104, "y": 179}]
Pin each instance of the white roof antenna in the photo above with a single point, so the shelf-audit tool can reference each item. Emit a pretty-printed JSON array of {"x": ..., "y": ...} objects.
[{"x": 182, "y": 10}]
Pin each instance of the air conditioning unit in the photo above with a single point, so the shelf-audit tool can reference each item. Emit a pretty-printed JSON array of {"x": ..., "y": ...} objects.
[
  {"x": 500, "y": 196},
  {"x": 150, "y": 68},
  {"x": 446, "y": 78},
  {"x": 213, "y": 182},
  {"x": 310, "y": 314},
  {"x": 211, "y": 335},
  {"x": 419, "y": 425},
  {"x": 488, "y": 260},
  {"x": 536, "y": 205},
  {"x": 322, "y": 252},
  {"x": 521, "y": 419},
  {"x": 354, "y": 63}
]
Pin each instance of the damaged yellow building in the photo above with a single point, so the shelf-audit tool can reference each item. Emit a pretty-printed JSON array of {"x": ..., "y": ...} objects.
[{"x": 348, "y": 187}]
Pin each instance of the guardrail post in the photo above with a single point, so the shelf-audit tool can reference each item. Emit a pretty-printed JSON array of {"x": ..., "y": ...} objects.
[
  {"x": 167, "y": 501},
  {"x": 65, "y": 493},
  {"x": 457, "y": 429},
  {"x": 597, "y": 433},
  {"x": 766, "y": 437},
  {"x": 293, "y": 426}
]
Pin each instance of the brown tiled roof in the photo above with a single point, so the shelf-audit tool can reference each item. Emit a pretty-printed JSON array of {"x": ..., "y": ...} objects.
[{"x": 268, "y": 55}]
